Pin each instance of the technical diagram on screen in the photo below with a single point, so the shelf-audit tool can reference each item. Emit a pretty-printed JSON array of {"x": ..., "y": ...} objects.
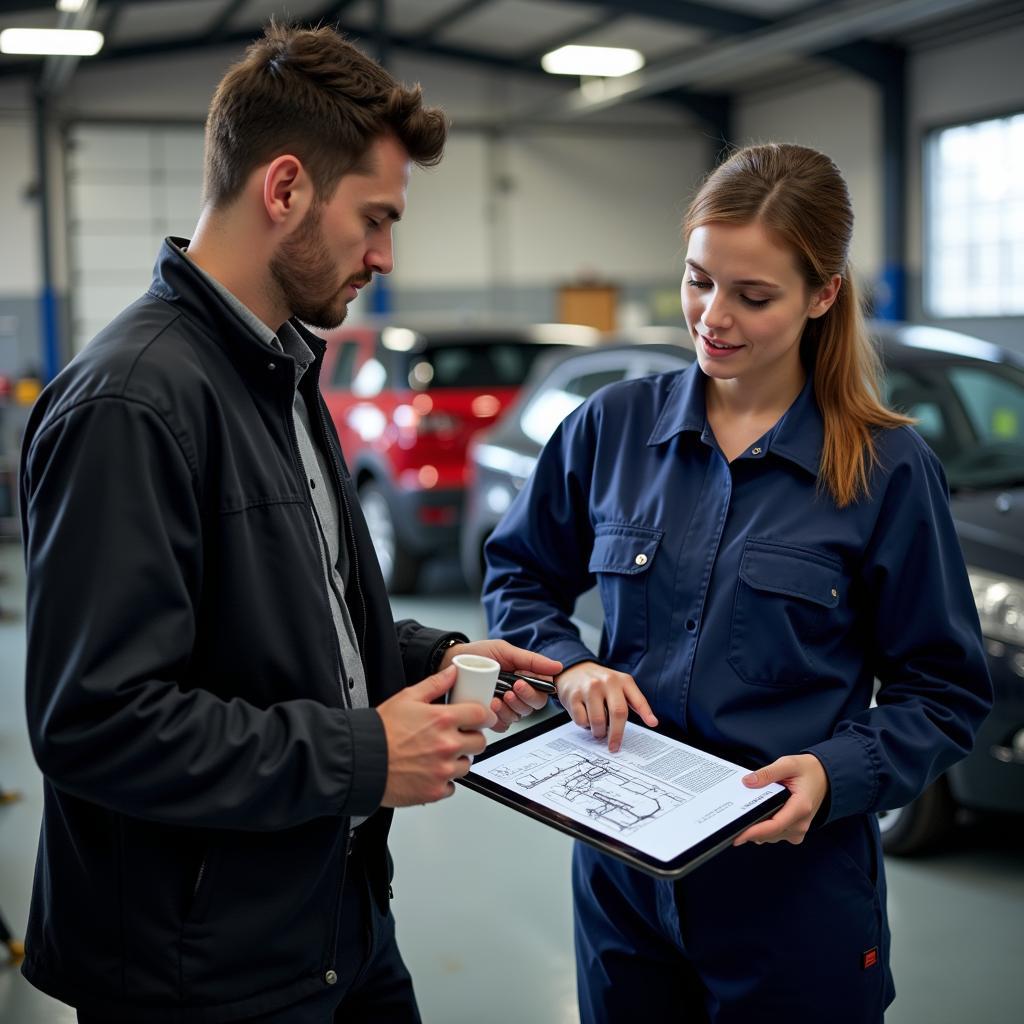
[{"x": 657, "y": 803}]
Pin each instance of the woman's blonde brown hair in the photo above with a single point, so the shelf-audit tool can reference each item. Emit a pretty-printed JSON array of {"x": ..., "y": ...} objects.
[
  {"x": 801, "y": 200},
  {"x": 310, "y": 93}
]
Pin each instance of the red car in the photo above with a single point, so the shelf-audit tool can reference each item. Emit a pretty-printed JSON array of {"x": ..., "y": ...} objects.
[{"x": 406, "y": 399}]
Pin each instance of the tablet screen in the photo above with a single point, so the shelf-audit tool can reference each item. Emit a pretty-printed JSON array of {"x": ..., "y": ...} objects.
[{"x": 659, "y": 803}]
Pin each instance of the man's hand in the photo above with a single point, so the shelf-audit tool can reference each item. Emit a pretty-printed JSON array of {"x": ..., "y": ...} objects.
[
  {"x": 599, "y": 699},
  {"x": 429, "y": 744},
  {"x": 805, "y": 778},
  {"x": 522, "y": 699}
]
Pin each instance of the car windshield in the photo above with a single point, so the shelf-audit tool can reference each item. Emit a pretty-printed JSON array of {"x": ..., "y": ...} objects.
[
  {"x": 970, "y": 413},
  {"x": 498, "y": 363}
]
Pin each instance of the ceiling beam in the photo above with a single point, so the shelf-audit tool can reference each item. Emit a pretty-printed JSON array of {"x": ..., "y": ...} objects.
[
  {"x": 223, "y": 17},
  {"x": 242, "y": 37},
  {"x": 449, "y": 18},
  {"x": 111, "y": 16},
  {"x": 826, "y": 28},
  {"x": 692, "y": 15},
  {"x": 531, "y": 58},
  {"x": 331, "y": 13},
  {"x": 9, "y": 7},
  {"x": 709, "y": 109},
  {"x": 58, "y": 69}
]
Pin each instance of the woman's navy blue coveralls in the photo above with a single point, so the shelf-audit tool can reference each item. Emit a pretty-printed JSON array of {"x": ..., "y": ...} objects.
[{"x": 754, "y": 615}]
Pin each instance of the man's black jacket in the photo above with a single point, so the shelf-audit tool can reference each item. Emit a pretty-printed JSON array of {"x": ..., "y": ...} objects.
[{"x": 183, "y": 678}]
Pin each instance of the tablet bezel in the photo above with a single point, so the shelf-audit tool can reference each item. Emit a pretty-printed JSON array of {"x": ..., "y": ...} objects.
[{"x": 680, "y": 865}]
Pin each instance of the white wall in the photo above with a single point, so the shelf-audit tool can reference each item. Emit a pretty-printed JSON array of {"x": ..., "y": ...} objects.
[
  {"x": 533, "y": 209},
  {"x": 535, "y": 206},
  {"x": 840, "y": 115},
  {"x": 19, "y": 211}
]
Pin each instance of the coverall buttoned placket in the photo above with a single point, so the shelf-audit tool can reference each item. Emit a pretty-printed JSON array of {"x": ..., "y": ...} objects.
[{"x": 694, "y": 562}]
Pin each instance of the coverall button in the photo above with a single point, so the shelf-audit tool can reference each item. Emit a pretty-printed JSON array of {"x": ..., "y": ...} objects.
[
  {"x": 691, "y": 625},
  {"x": 641, "y": 559},
  {"x": 351, "y": 683},
  {"x": 331, "y": 977},
  {"x": 755, "y": 451},
  {"x": 273, "y": 366},
  {"x": 835, "y": 593}
]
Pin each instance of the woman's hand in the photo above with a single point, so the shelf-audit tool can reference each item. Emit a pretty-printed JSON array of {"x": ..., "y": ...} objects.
[
  {"x": 805, "y": 778},
  {"x": 599, "y": 699},
  {"x": 522, "y": 699}
]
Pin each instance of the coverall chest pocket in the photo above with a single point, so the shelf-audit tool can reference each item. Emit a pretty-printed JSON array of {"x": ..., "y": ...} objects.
[
  {"x": 622, "y": 558},
  {"x": 786, "y": 616}
]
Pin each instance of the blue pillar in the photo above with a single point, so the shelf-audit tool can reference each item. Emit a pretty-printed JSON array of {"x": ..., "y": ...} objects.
[
  {"x": 380, "y": 296},
  {"x": 886, "y": 66},
  {"x": 49, "y": 320},
  {"x": 891, "y": 303},
  {"x": 891, "y": 293}
]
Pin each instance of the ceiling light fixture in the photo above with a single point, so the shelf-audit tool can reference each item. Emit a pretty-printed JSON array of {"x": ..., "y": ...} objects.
[
  {"x": 75, "y": 42},
  {"x": 592, "y": 61},
  {"x": 70, "y": 6}
]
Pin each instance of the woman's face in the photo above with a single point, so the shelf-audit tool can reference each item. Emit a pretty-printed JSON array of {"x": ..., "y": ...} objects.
[{"x": 746, "y": 304}]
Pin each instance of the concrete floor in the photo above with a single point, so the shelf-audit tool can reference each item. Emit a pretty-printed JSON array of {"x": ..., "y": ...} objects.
[{"x": 482, "y": 895}]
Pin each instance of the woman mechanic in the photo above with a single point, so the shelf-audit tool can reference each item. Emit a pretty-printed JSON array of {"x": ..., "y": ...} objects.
[{"x": 769, "y": 539}]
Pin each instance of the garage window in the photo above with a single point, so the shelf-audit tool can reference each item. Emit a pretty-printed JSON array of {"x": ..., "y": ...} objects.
[{"x": 974, "y": 219}]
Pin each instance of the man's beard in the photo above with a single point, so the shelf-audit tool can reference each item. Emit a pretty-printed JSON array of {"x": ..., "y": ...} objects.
[{"x": 307, "y": 275}]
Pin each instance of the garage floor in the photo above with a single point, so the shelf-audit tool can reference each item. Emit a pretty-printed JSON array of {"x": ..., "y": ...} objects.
[{"x": 482, "y": 895}]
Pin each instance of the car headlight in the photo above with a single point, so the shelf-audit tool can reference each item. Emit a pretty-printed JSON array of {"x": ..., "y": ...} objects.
[{"x": 1000, "y": 601}]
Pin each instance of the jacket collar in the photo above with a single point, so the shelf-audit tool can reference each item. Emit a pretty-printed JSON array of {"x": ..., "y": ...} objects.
[
  {"x": 798, "y": 436},
  {"x": 178, "y": 281}
]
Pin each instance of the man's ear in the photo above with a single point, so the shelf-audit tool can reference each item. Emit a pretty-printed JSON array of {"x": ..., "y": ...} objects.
[
  {"x": 287, "y": 191},
  {"x": 822, "y": 300}
]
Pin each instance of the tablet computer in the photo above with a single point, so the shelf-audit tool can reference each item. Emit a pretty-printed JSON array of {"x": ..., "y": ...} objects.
[{"x": 657, "y": 803}]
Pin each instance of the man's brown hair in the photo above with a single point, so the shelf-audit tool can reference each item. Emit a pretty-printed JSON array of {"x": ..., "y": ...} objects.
[{"x": 310, "y": 93}]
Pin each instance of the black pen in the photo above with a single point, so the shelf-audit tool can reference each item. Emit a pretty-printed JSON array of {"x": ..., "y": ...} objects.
[{"x": 506, "y": 680}]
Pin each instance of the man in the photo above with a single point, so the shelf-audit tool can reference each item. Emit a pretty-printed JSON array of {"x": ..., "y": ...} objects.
[{"x": 218, "y": 696}]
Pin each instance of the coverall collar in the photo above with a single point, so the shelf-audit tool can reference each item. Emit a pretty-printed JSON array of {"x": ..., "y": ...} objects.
[{"x": 797, "y": 436}]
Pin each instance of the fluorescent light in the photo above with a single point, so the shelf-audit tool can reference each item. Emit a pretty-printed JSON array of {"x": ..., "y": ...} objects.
[
  {"x": 70, "y": 6},
  {"x": 592, "y": 61},
  {"x": 76, "y": 42}
]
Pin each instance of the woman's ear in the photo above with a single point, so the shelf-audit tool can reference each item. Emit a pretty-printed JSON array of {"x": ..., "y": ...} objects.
[{"x": 822, "y": 300}]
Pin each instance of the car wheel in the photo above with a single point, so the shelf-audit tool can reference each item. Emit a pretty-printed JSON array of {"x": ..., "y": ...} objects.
[
  {"x": 918, "y": 827},
  {"x": 397, "y": 564}
]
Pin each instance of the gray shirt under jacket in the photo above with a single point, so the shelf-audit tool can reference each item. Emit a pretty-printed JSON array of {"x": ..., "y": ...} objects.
[{"x": 325, "y": 509}]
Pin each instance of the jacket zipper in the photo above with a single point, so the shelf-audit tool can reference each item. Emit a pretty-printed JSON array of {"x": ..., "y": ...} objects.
[
  {"x": 346, "y": 698},
  {"x": 337, "y": 904},
  {"x": 199, "y": 879},
  {"x": 339, "y": 483}
]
